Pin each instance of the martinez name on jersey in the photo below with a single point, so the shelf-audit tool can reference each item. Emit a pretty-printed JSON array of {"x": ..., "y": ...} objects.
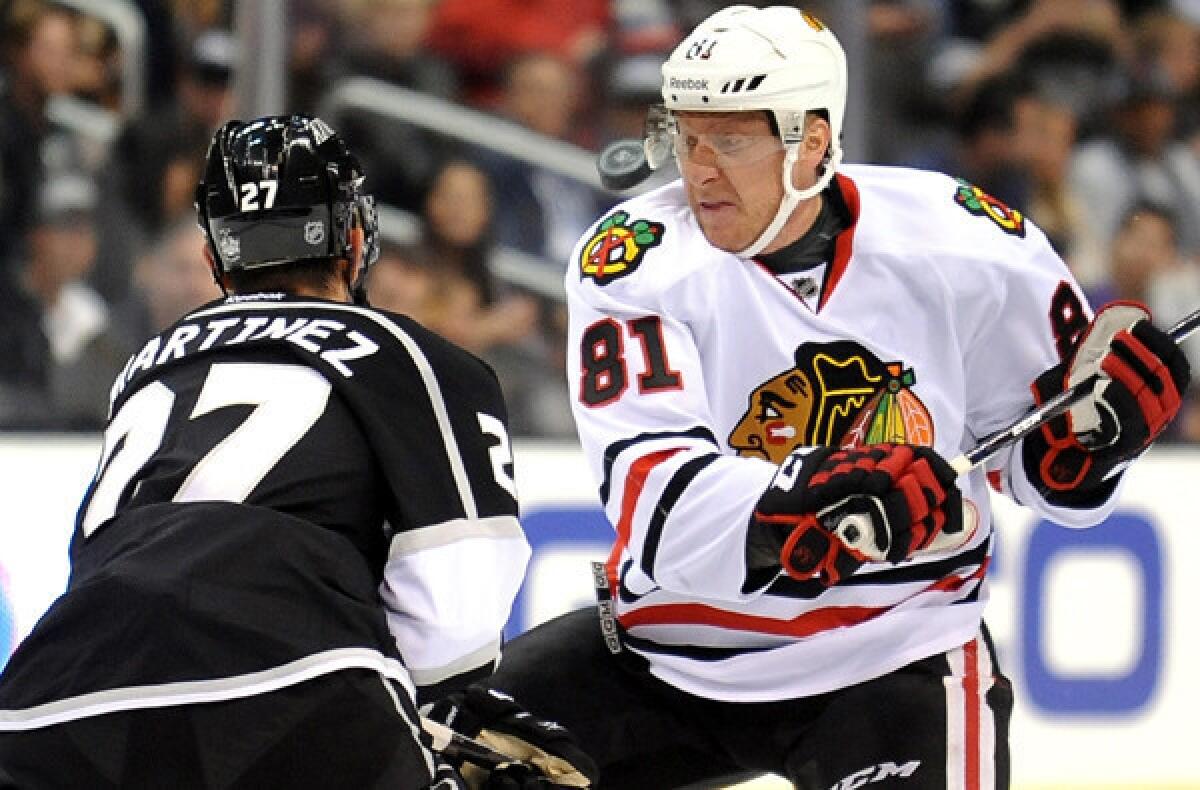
[{"x": 327, "y": 338}]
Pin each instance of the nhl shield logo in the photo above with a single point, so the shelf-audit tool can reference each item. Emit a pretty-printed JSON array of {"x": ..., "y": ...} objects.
[
  {"x": 618, "y": 246},
  {"x": 229, "y": 245},
  {"x": 314, "y": 232}
]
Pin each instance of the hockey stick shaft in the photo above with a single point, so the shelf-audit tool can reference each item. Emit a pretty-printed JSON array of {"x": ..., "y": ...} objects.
[
  {"x": 855, "y": 530},
  {"x": 1052, "y": 408},
  {"x": 458, "y": 746}
]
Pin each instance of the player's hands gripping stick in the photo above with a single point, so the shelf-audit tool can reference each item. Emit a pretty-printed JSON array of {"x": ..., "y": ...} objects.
[
  {"x": 544, "y": 755},
  {"x": 829, "y": 511},
  {"x": 1142, "y": 377}
]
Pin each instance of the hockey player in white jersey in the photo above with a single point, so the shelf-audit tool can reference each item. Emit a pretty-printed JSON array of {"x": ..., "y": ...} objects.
[{"x": 774, "y": 342}]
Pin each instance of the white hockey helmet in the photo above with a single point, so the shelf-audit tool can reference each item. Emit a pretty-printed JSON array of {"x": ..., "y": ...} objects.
[{"x": 779, "y": 59}]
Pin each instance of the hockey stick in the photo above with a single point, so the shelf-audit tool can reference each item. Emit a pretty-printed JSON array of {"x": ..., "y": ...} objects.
[
  {"x": 459, "y": 747},
  {"x": 1052, "y": 408},
  {"x": 854, "y": 530}
]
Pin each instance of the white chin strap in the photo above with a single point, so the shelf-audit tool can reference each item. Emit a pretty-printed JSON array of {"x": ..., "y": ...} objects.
[{"x": 792, "y": 196}]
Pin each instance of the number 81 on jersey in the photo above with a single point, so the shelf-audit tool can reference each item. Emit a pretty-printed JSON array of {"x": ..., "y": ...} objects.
[{"x": 604, "y": 373}]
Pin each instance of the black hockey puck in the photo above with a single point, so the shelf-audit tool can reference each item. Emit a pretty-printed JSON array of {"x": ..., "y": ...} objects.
[{"x": 622, "y": 165}]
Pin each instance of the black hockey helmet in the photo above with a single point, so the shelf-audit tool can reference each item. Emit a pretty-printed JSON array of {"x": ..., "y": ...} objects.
[{"x": 283, "y": 189}]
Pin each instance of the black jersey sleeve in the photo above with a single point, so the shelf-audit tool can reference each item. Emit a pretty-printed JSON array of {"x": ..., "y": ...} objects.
[
  {"x": 435, "y": 416},
  {"x": 457, "y": 554}
]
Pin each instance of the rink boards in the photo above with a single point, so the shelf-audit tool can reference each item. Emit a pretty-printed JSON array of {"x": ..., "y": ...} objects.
[{"x": 1093, "y": 626}]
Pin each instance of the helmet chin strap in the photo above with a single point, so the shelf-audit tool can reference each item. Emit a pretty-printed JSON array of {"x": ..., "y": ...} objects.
[{"x": 792, "y": 196}]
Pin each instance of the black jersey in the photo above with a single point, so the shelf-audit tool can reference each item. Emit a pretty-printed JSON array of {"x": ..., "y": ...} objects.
[{"x": 287, "y": 487}]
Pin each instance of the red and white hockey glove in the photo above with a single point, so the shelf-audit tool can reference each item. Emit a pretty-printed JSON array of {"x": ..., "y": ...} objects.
[
  {"x": 905, "y": 493},
  {"x": 1072, "y": 460}
]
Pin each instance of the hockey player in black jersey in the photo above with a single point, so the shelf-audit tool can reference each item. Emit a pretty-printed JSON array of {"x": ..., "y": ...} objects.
[{"x": 303, "y": 523}]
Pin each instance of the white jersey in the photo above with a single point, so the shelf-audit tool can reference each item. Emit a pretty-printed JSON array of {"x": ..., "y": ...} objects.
[{"x": 694, "y": 372}]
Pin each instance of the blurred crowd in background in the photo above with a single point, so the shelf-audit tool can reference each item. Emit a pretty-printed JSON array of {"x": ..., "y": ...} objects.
[{"x": 1082, "y": 114}]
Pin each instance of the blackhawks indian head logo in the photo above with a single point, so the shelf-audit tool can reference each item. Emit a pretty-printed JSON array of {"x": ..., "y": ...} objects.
[
  {"x": 618, "y": 246},
  {"x": 838, "y": 394}
]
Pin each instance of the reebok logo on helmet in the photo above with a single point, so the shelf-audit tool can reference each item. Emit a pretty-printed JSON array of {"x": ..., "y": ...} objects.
[{"x": 688, "y": 84}]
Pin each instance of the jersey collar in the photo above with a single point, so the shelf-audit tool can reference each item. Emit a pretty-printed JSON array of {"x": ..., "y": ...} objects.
[{"x": 822, "y": 260}]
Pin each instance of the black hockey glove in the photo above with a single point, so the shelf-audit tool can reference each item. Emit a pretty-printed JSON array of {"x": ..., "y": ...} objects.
[
  {"x": 544, "y": 754},
  {"x": 1072, "y": 459},
  {"x": 829, "y": 511},
  {"x": 447, "y": 777}
]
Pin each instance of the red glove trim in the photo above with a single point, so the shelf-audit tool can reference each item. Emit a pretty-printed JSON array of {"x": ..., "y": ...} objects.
[
  {"x": 823, "y": 563},
  {"x": 1157, "y": 408}
]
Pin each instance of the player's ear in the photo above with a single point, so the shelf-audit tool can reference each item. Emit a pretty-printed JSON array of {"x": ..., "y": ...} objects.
[
  {"x": 812, "y": 150},
  {"x": 817, "y": 136}
]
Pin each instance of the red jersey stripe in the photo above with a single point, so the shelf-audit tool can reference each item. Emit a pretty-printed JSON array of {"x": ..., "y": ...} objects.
[
  {"x": 972, "y": 701},
  {"x": 804, "y": 625},
  {"x": 635, "y": 480}
]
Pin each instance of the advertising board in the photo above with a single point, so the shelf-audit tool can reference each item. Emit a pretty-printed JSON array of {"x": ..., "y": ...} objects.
[{"x": 1093, "y": 625}]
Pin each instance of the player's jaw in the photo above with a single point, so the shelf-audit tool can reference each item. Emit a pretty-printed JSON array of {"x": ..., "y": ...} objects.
[
  {"x": 718, "y": 217},
  {"x": 734, "y": 205},
  {"x": 729, "y": 222}
]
